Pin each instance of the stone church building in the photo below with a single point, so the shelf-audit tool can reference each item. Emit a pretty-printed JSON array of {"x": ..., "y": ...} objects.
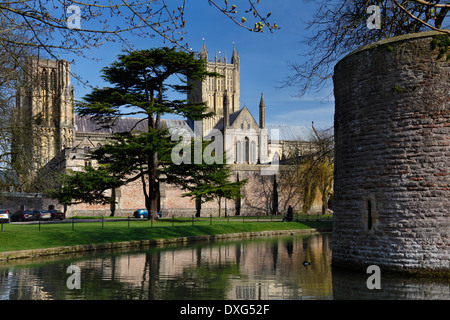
[{"x": 61, "y": 139}]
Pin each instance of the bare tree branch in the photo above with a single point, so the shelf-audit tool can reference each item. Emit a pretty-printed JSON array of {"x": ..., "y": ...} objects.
[
  {"x": 421, "y": 21},
  {"x": 340, "y": 27},
  {"x": 430, "y": 4}
]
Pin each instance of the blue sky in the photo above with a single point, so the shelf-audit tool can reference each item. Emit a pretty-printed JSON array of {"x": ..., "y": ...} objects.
[{"x": 264, "y": 58}]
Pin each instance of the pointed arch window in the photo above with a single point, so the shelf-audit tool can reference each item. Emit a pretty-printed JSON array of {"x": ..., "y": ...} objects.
[
  {"x": 53, "y": 79},
  {"x": 238, "y": 152},
  {"x": 253, "y": 152},
  {"x": 44, "y": 78},
  {"x": 247, "y": 150}
]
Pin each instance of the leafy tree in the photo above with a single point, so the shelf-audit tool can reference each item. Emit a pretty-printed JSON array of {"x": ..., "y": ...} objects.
[
  {"x": 140, "y": 81},
  {"x": 316, "y": 178},
  {"x": 208, "y": 180},
  {"x": 44, "y": 28},
  {"x": 316, "y": 171},
  {"x": 89, "y": 186}
]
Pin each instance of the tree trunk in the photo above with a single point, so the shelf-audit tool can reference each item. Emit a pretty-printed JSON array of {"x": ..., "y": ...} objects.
[
  {"x": 152, "y": 201},
  {"x": 237, "y": 202},
  {"x": 113, "y": 203},
  {"x": 151, "y": 195},
  {"x": 275, "y": 196},
  {"x": 153, "y": 184}
]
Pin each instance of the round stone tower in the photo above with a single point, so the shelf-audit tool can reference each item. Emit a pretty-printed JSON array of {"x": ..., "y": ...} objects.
[{"x": 392, "y": 170}]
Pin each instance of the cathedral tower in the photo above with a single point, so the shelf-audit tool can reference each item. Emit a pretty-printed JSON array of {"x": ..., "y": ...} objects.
[
  {"x": 46, "y": 103},
  {"x": 213, "y": 89}
]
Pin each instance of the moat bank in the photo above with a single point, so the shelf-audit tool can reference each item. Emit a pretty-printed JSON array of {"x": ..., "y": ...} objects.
[{"x": 88, "y": 238}]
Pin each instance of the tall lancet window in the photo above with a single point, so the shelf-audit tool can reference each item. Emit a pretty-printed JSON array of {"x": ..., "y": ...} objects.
[
  {"x": 247, "y": 150},
  {"x": 53, "y": 80},
  {"x": 238, "y": 152},
  {"x": 253, "y": 152},
  {"x": 44, "y": 79}
]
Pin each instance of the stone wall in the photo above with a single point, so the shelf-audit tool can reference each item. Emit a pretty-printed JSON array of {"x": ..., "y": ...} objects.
[
  {"x": 16, "y": 201},
  {"x": 257, "y": 199},
  {"x": 392, "y": 171},
  {"x": 129, "y": 198},
  {"x": 258, "y": 196}
]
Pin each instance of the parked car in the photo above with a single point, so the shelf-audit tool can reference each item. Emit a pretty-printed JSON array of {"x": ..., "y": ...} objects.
[
  {"x": 26, "y": 215},
  {"x": 143, "y": 213},
  {"x": 57, "y": 214},
  {"x": 4, "y": 215},
  {"x": 43, "y": 214}
]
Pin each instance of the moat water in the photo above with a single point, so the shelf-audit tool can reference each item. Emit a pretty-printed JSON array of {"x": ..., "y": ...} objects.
[{"x": 267, "y": 269}]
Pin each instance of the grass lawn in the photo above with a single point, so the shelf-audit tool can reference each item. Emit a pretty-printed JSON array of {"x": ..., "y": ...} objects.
[{"x": 23, "y": 237}]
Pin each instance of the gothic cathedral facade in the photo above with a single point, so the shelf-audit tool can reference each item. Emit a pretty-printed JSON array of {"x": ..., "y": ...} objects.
[
  {"x": 244, "y": 140},
  {"x": 55, "y": 137}
]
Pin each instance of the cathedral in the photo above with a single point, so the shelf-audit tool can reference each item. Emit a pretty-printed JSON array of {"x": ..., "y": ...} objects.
[
  {"x": 244, "y": 140},
  {"x": 61, "y": 139}
]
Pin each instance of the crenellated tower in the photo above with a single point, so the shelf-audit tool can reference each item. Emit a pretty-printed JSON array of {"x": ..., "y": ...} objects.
[
  {"x": 45, "y": 103},
  {"x": 213, "y": 89}
]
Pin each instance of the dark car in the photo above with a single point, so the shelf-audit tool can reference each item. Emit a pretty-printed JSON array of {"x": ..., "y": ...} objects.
[
  {"x": 143, "y": 213},
  {"x": 57, "y": 215},
  {"x": 43, "y": 214},
  {"x": 26, "y": 215},
  {"x": 4, "y": 215}
]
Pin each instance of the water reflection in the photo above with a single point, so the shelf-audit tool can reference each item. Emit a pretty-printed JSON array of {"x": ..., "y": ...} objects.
[
  {"x": 351, "y": 285},
  {"x": 254, "y": 269}
]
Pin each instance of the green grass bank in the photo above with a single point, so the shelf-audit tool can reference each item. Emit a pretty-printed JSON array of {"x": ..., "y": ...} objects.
[{"x": 31, "y": 239}]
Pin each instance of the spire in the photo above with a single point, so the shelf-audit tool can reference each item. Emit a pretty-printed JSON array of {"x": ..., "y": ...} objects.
[
  {"x": 262, "y": 112},
  {"x": 204, "y": 53},
  {"x": 235, "y": 56}
]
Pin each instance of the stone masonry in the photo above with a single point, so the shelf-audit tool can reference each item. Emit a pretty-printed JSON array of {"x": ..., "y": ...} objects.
[
  {"x": 392, "y": 171},
  {"x": 62, "y": 141},
  {"x": 257, "y": 197}
]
